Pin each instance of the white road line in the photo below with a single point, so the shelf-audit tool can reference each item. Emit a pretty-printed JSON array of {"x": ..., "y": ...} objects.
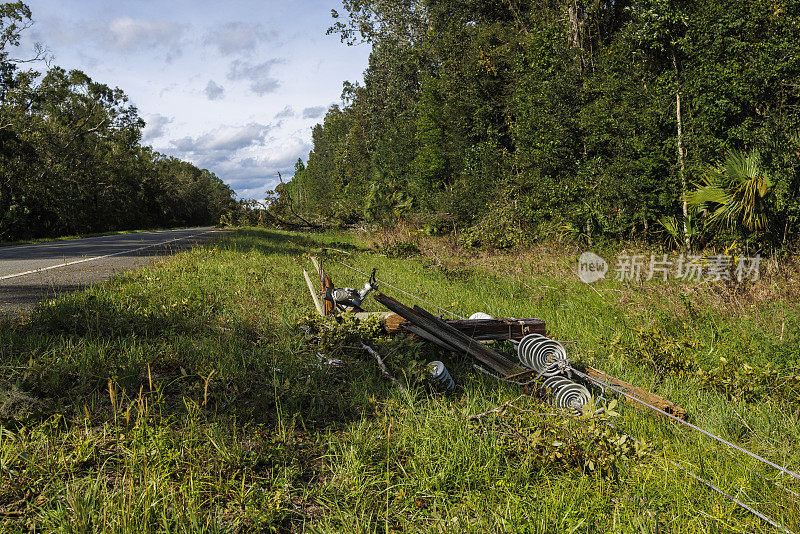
[
  {"x": 67, "y": 242},
  {"x": 84, "y": 260}
]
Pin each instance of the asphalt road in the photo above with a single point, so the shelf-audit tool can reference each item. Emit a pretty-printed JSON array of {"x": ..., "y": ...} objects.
[{"x": 30, "y": 273}]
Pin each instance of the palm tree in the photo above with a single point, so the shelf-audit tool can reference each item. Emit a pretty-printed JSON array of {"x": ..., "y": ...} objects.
[
  {"x": 680, "y": 231},
  {"x": 736, "y": 194}
]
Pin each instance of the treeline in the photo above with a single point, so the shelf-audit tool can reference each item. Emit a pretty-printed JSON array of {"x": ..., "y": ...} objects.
[
  {"x": 666, "y": 120},
  {"x": 71, "y": 159}
]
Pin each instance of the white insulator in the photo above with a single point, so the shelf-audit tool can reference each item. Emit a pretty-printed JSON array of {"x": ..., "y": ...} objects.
[
  {"x": 565, "y": 393},
  {"x": 440, "y": 376},
  {"x": 542, "y": 354},
  {"x": 523, "y": 348}
]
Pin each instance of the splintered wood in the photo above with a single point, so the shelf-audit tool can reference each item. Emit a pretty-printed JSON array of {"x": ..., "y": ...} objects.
[
  {"x": 326, "y": 283},
  {"x": 314, "y": 295}
]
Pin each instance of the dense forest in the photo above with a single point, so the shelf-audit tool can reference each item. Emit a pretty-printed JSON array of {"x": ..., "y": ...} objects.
[
  {"x": 71, "y": 159},
  {"x": 670, "y": 121}
]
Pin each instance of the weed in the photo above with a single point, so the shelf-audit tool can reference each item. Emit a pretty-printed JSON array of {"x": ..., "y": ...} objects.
[
  {"x": 401, "y": 249},
  {"x": 183, "y": 397},
  {"x": 741, "y": 381},
  {"x": 667, "y": 353}
]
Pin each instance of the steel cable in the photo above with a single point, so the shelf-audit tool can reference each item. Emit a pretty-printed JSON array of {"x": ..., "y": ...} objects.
[
  {"x": 570, "y": 396},
  {"x": 690, "y": 425}
]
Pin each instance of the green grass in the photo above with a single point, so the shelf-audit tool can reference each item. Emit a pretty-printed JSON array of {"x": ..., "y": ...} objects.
[{"x": 183, "y": 397}]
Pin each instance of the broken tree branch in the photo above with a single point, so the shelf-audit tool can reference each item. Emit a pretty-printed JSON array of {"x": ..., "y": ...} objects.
[
  {"x": 291, "y": 206},
  {"x": 497, "y": 410},
  {"x": 503, "y": 407},
  {"x": 382, "y": 367}
]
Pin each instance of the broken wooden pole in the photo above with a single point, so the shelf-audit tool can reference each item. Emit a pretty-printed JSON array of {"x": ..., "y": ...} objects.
[
  {"x": 495, "y": 359},
  {"x": 317, "y": 302},
  {"x": 326, "y": 283},
  {"x": 416, "y": 330},
  {"x": 394, "y": 323},
  {"x": 486, "y": 329},
  {"x": 650, "y": 398},
  {"x": 480, "y": 329}
]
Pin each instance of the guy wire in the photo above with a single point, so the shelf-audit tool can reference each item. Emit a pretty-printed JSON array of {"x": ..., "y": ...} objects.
[{"x": 690, "y": 425}]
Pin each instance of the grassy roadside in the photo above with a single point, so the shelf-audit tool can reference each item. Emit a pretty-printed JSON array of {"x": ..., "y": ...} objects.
[{"x": 183, "y": 397}]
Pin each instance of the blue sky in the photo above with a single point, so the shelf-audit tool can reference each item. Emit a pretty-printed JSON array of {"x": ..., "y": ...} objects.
[{"x": 234, "y": 87}]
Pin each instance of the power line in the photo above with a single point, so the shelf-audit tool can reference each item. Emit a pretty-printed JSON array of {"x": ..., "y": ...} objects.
[
  {"x": 617, "y": 390},
  {"x": 600, "y": 383},
  {"x": 690, "y": 425},
  {"x": 732, "y": 498},
  {"x": 719, "y": 490},
  {"x": 703, "y": 481}
]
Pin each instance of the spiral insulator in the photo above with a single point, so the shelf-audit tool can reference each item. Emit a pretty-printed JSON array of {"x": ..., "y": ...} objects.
[
  {"x": 542, "y": 354},
  {"x": 565, "y": 393}
]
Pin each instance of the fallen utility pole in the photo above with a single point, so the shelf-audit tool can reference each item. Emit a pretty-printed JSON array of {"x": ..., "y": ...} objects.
[
  {"x": 488, "y": 329},
  {"x": 480, "y": 329},
  {"x": 449, "y": 338},
  {"x": 464, "y": 336}
]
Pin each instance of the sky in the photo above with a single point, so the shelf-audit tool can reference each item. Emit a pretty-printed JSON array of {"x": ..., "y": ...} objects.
[{"x": 234, "y": 87}]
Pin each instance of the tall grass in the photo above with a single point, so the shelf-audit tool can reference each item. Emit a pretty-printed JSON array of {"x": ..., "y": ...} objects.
[{"x": 182, "y": 397}]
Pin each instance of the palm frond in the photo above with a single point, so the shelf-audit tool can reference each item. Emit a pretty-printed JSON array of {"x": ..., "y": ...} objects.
[
  {"x": 734, "y": 194},
  {"x": 674, "y": 228}
]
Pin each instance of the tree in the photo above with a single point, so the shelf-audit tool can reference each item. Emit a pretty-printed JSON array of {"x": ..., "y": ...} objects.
[
  {"x": 541, "y": 115},
  {"x": 662, "y": 28},
  {"x": 71, "y": 159}
]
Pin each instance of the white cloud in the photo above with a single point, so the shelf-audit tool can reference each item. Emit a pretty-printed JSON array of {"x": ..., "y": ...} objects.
[
  {"x": 98, "y": 35},
  {"x": 314, "y": 112},
  {"x": 127, "y": 34},
  {"x": 284, "y": 154},
  {"x": 243, "y": 157},
  {"x": 259, "y": 75},
  {"x": 236, "y": 37},
  {"x": 257, "y": 128},
  {"x": 223, "y": 141},
  {"x": 285, "y": 113},
  {"x": 155, "y": 128},
  {"x": 214, "y": 91}
]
